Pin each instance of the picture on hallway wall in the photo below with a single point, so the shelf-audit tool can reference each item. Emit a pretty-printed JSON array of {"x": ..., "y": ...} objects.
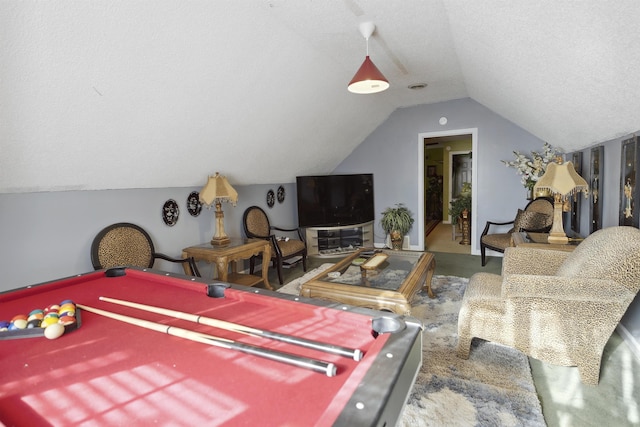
[
  {"x": 629, "y": 183},
  {"x": 596, "y": 183},
  {"x": 576, "y": 159}
]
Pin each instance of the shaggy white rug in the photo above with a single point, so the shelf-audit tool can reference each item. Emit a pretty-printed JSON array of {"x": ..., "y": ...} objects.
[{"x": 493, "y": 387}]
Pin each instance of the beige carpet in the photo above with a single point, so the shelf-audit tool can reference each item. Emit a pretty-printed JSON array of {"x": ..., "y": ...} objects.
[
  {"x": 441, "y": 240},
  {"x": 493, "y": 387}
]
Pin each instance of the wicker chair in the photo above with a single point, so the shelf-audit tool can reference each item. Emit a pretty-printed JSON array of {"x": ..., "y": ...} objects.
[
  {"x": 125, "y": 244},
  {"x": 557, "y": 306},
  {"x": 537, "y": 217},
  {"x": 256, "y": 226}
]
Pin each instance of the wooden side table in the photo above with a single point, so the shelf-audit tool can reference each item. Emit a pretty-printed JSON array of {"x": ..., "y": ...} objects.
[
  {"x": 222, "y": 256},
  {"x": 539, "y": 240}
]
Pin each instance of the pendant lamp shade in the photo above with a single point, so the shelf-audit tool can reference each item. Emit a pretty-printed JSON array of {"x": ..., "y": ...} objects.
[{"x": 368, "y": 79}]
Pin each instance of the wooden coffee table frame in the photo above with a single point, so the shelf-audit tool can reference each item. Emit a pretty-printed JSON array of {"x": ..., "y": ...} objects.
[{"x": 397, "y": 301}]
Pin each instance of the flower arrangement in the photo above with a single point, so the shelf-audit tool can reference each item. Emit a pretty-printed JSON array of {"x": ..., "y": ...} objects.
[{"x": 532, "y": 169}]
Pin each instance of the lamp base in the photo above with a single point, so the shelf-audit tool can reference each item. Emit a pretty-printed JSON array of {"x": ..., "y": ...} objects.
[
  {"x": 557, "y": 235},
  {"x": 219, "y": 241},
  {"x": 558, "y": 239}
]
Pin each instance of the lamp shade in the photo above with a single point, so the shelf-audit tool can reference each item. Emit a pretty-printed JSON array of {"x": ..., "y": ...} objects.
[
  {"x": 368, "y": 79},
  {"x": 216, "y": 190},
  {"x": 561, "y": 179}
]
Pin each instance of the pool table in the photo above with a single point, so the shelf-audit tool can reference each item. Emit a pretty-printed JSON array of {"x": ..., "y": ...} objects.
[{"x": 108, "y": 372}]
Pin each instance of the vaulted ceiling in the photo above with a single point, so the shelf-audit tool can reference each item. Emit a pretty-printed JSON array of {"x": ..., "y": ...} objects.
[{"x": 148, "y": 94}]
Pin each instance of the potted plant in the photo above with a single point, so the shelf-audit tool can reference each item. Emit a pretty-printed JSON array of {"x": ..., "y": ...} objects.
[
  {"x": 458, "y": 206},
  {"x": 397, "y": 222},
  {"x": 461, "y": 203},
  {"x": 460, "y": 213}
]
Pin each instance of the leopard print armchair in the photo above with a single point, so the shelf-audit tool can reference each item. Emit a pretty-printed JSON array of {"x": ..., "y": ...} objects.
[{"x": 558, "y": 307}]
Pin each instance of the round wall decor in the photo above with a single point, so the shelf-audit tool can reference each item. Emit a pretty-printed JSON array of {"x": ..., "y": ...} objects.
[
  {"x": 193, "y": 203},
  {"x": 280, "y": 194},
  {"x": 170, "y": 212},
  {"x": 271, "y": 198}
]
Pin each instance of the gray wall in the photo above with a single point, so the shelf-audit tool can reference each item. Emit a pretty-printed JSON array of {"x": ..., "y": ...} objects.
[
  {"x": 391, "y": 153},
  {"x": 47, "y": 236}
]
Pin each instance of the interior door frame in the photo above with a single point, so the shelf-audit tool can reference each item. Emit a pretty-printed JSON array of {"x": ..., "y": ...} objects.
[{"x": 475, "y": 250}]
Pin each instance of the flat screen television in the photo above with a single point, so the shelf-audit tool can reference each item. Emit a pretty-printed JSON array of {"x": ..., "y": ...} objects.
[{"x": 335, "y": 200}]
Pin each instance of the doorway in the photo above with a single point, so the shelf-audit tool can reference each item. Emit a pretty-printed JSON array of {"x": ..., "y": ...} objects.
[{"x": 457, "y": 148}]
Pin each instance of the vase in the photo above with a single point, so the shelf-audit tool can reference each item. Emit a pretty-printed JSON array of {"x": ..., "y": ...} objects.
[{"x": 396, "y": 240}]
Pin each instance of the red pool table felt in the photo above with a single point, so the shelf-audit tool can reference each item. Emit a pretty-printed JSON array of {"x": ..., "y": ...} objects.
[{"x": 112, "y": 373}]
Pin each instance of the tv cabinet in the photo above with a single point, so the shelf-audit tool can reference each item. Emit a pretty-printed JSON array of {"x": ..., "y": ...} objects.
[{"x": 340, "y": 240}]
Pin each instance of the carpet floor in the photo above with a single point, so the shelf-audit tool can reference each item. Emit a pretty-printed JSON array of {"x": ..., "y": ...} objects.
[{"x": 493, "y": 387}]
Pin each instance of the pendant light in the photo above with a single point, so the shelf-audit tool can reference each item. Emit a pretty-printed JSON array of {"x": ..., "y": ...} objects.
[{"x": 368, "y": 79}]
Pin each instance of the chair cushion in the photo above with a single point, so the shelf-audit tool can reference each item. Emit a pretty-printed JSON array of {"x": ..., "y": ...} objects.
[
  {"x": 290, "y": 247},
  {"x": 500, "y": 240},
  {"x": 256, "y": 222},
  {"x": 530, "y": 220},
  {"x": 124, "y": 246}
]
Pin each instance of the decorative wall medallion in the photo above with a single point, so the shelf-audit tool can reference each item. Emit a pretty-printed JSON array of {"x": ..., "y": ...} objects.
[
  {"x": 193, "y": 203},
  {"x": 280, "y": 194},
  {"x": 271, "y": 198},
  {"x": 170, "y": 212}
]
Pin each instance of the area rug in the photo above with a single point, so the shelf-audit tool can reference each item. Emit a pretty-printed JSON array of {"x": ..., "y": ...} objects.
[{"x": 493, "y": 387}]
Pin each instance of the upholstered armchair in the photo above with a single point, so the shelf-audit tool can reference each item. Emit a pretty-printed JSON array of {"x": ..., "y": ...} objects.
[
  {"x": 537, "y": 217},
  {"x": 256, "y": 226},
  {"x": 126, "y": 244},
  {"x": 556, "y": 306}
]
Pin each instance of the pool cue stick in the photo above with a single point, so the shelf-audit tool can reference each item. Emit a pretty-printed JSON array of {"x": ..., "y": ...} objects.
[
  {"x": 356, "y": 354},
  {"x": 327, "y": 368}
]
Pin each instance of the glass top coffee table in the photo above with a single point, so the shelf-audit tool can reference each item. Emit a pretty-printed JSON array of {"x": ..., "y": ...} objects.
[{"x": 378, "y": 279}]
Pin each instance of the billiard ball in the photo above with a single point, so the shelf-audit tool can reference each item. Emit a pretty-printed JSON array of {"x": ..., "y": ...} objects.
[
  {"x": 67, "y": 320},
  {"x": 54, "y": 331},
  {"x": 33, "y": 323},
  {"x": 19, "y": 324},
  {"x": 49, "y": 321}
]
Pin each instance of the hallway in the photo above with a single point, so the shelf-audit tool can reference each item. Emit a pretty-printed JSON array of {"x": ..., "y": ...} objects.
[{"x": 440, "y": 240}]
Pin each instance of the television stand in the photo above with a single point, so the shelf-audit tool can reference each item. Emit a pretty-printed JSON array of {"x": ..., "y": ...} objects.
[{"x": 339, "y": 240}]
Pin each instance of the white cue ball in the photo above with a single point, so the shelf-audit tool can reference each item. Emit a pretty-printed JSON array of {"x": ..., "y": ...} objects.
[{"x": 54, "y": 331}]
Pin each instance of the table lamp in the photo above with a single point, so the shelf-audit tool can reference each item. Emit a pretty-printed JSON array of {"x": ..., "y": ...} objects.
[
  {"x": 563, "y": 181},
  {"x": 218, "y": 190}
]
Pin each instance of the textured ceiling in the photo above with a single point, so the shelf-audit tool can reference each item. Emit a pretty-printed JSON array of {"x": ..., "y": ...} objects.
[{"x": 146, "y": 94}]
